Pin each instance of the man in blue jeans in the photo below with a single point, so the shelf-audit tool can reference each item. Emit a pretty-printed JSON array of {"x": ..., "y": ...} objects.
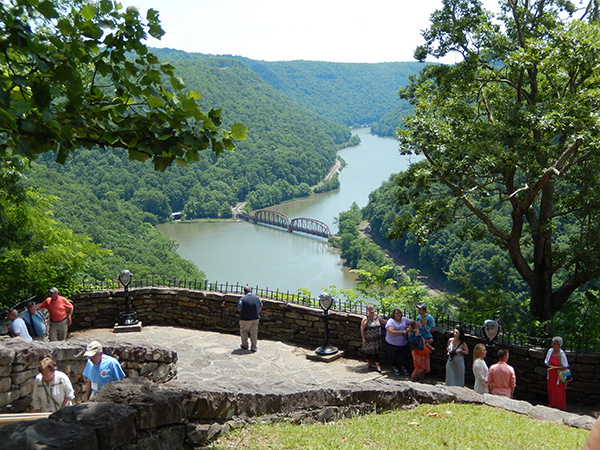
[{"x": 249, "y": 307}]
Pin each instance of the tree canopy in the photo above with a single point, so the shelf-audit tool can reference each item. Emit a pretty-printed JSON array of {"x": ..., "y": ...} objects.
[
  {"x": 515, "y": 125},
  {"x": 76, "y": 74}
]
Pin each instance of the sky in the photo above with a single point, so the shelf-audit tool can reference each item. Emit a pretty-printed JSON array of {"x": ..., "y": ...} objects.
[{"x": 365, "y": 31}]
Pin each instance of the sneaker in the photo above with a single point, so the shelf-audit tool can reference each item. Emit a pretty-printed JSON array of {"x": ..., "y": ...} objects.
[
  {"x": 405, "y": 372},
  {"x": 396, "y": 372},
  {"x": 243, "y": 348},
  {"x": 254, "y": 350},
  {"x": 377, "y": 369}
]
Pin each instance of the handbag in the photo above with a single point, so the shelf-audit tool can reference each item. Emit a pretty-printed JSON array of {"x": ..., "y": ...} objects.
[{"x": 564, "y": 376}]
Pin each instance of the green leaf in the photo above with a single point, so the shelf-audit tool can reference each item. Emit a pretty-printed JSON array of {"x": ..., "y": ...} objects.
[
  {"x": 182, "y": 162},
  {"x": 105, "y": 6},
  {"x": 155, "y": 102},
  {"x": 188, "y": 105},
  {"x": 167, "y": 68},
  {"x": 239, "y": 131},
  {"x": 92, "y": 31},
  {"x": 41, "y": 96},
  {"x": 152, "y": 15},
  {"x": 111, "y": 138},
  {"x": 23, "y": 148},
  {"x": 162, "y": 163},
  {"x": 134, "y": 155},
  {"x": 88, "y": 12},
  {"x": 217, "y": 147},
  {"x": 65, "y": 26},
  {"x": 209, "y": 125},
  {"x": 47, "y": 10},
  {"x": 61, "y": 156},
  {"x": 177, "y": 83},
  {"x": 156, "y": 31},
  {"x": 191, "y": 155}
]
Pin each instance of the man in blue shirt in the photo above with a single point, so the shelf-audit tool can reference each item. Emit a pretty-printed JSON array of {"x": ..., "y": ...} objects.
[
  {"x": 100, "y": 369},
  {"x": 249, "y": 307},
  {"x": 35, "y": 321}
]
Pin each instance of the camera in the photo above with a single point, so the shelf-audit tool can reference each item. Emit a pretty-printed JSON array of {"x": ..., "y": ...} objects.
[{"x": 451, "y": 354}]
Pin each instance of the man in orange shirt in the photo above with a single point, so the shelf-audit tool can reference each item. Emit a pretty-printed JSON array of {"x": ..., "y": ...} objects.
[
  {"x": 60, "y": 310},
  {"x": 501, "y": 376}
]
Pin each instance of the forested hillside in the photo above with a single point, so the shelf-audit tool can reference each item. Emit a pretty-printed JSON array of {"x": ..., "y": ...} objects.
[
  {"x": 117, "y": 202},
  {"x": 352, "y": 94},
  {"x": 297, "y": 114}
]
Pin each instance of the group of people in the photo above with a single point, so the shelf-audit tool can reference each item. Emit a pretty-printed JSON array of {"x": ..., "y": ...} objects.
[
  {"x": 405, "y": 337},
  {"x": 52, "y": 389},
  {"x": 499, "y": 379},
  {"x": 31, "y": 325}
]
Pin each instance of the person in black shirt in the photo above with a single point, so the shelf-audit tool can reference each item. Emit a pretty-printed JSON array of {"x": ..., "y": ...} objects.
[{"x": 249, "y": 307}]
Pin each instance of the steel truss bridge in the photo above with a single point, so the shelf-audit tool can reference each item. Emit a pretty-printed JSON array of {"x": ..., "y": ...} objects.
[{"x": 277, "y": 219}]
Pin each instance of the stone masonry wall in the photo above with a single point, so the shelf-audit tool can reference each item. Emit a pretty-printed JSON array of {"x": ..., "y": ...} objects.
[
  {"x": 304, "y": 326},
  {"x": 135, "y": 414},
  {"x": 19, "y": 360}
]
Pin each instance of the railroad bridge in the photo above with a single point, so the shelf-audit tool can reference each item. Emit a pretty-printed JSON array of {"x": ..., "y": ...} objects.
[{"x": 278, "y": 219}]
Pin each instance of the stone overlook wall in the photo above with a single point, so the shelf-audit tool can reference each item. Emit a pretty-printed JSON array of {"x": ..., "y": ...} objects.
[
  {"x": 19, "y": 360},
  {"x": 134, "y": 414},
  {"x": 304, "y": 326}
]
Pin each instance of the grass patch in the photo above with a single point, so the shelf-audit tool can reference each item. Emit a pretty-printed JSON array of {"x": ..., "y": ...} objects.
[{"x": 448, "y": 426}]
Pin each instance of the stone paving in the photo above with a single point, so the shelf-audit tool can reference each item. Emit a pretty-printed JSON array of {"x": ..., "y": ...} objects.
[{"x": 214, "y": 361}]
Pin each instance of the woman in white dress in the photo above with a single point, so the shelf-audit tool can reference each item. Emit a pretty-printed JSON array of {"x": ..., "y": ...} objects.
[
  {"x": 455, "y": 365},
  {"x": 52, "y": 388},
  {"x": 480, "y": 369}
]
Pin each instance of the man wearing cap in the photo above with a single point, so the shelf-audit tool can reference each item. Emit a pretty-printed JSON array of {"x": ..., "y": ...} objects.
[
  {"x": 35, "y": 321},
  {"x": 60, "y": 310},
  {"x": 100, "y": 369},
  {"x": 18, "y": 327},
  {"x": 423, "y": 313}
]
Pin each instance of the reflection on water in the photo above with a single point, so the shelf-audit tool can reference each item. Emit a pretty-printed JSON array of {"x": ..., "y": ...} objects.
[{"x": 241, "y": 252}]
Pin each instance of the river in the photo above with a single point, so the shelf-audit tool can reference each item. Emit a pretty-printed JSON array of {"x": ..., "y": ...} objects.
[{"x": 272, "y": 258}]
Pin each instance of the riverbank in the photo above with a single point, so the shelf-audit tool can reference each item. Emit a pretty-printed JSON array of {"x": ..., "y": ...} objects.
[
  {"x": 435, "y": 287},
  {"x": 275, "y": 258}
]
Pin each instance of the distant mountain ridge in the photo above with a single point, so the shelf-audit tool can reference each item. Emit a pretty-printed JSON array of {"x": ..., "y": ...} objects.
[{"x": 352, "y": 94}]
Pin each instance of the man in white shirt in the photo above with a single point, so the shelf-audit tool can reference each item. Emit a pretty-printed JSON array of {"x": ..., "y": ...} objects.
[{"x": 18, "y": 327}]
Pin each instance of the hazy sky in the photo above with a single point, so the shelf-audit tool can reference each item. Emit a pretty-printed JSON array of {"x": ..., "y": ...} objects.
[{"x": 282, "y": 30}]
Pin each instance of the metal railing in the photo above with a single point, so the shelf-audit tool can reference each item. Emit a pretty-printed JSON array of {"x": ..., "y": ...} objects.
[{"x": 355, "y": 307}]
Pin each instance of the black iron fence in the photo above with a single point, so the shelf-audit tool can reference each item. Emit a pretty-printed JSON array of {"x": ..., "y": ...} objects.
[{"x": 356, "y": 307}]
